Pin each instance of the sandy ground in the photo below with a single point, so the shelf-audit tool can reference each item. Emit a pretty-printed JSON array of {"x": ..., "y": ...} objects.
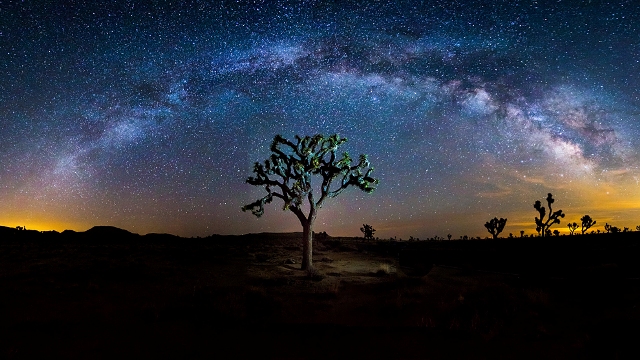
[{"x": 236, "y": 298}]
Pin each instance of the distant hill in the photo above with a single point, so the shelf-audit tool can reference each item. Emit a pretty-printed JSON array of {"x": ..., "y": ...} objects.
[
  {"x": 109, "y": 232},
  {"x": 115, "y": 234}
]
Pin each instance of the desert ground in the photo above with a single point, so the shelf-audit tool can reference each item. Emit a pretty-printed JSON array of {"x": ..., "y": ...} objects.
[{"x": 109, "y": 294}]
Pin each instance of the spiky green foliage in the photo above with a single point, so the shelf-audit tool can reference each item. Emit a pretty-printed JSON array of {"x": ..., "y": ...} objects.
[
  {"x": 287, "y": 174},
  {"x": 542, "y": 225},
  {"x": 495, "y": 226},
  {"x": 587, "y": 222}
]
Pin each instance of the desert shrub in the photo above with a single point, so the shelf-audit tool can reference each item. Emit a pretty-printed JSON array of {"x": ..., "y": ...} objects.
[
  {"x": 314, "y": 274},
  {"x": 383, "y": 270}
]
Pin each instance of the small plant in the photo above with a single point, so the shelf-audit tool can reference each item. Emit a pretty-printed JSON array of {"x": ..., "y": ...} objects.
[
  {"x": 383, "y": 270},
  {"x": 572, "y": 227},
  {"x": 587, "y": 222},
  {"x": 611, "y": 229},
  {"x": 314, "y": 274}
]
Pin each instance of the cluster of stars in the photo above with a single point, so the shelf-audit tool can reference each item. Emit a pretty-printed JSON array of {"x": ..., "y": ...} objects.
[{"x": 149, "y": 117}]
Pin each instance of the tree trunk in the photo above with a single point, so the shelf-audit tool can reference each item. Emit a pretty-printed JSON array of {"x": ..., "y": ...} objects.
[{"x": 307, "y": 246}]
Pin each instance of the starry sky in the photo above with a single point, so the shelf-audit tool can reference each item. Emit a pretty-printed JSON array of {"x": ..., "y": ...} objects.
[{"x": 149, "y": 115}]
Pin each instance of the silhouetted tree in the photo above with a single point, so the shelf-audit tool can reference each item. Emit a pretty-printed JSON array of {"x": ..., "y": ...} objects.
[
  {"x": 449, "y": 236},
  {"x": 572, "y": 227},
  {"x": 556, "y": 232},
  {"x": 611, "y": 229},
  {"x": 587, "y": 222},
  {"x": 287, "y": 175},
  {"x": 367, "y": 231},
  {"x": 521, "y": 233},
  {"x": 542, "y": 225},
  {"x": 495, "y": 226},
  {"x": 638, "y": 228}
]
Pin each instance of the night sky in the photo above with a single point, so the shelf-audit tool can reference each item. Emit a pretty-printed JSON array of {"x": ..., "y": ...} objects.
[{"x": 149, "y": 117}]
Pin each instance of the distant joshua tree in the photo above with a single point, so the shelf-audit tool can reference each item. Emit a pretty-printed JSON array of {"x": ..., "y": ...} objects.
[
  {"x": 573, "y": 227},
  {"x": 367, "y": 231},
  {"x": 556, "y": 232},
  {"x": 638, "y": 228},
  {"x": 521, "y": 233},
  {"x": 449, "y": 236},
  {"x": 611, "y": 229},
  {"x": 495, "y": 226},
  {"x": 542, "y": 225},
  {"x": 287, "y": 175},
  {"x": 587, "y": 222}
]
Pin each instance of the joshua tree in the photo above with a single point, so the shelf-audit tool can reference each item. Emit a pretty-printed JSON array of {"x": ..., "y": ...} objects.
[
  {"x": 367, "y": 231},
  {"x": 573, "y": 227},
  {"x": 612, "y": 229},
  {"x": 495, "y": 226},
  {"x": 542, "y": 226},
  {"x": 521, "y": 233},
  {"x": 587, "y": 222},
  {"x": 287, "y": 175},
  {"x": 638, "y": 228},
  {"x": 556, "y": 232}
]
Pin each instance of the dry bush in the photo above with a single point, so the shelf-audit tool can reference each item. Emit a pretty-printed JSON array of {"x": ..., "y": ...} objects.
[
  {"x": 383, "y": 270},
  {"x": 314, "y": 274}
]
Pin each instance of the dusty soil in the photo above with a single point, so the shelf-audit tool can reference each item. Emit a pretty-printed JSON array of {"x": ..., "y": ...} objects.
[{"x": 238, "y": 296}]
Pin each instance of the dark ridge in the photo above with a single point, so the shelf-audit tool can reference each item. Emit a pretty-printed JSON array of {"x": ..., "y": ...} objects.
[
  {"x": 161, "y": 237},
  {"x": 109, "y": 231}
]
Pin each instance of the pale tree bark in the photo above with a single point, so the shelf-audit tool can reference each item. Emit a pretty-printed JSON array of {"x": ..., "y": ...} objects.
[{"x": 307, "y": 246}]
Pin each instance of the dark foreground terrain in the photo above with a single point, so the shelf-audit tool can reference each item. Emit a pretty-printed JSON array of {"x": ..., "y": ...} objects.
[{"x": 107, "y": 293}]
